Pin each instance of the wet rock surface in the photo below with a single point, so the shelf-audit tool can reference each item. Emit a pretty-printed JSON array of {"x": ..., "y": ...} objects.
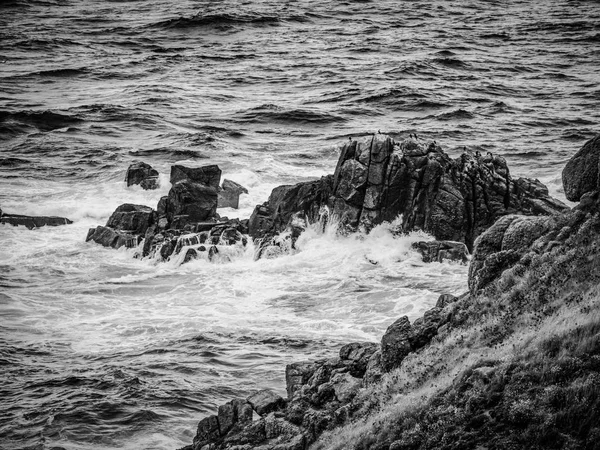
[
  {"x": 32, "y": 222},
  {"x": 438, "y": 251},
  {"x": 142, "y": 174},
  {"x": 377, "y": 179}
]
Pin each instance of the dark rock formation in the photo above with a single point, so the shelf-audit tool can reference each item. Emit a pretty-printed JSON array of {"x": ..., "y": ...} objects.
[
  {"x": 109, "y": 237},
  {"x": 190, "y": 202},
  {"x": 32, "y": 222},
  {"x": 125, "y": 227},
  {"x": 206, "y": 175},
  {"x": 229, "y": 194},
  {"x": 133, "y": 219},
  {"x": 439, "y": 251},
  {"x": 377, "y": 179},
  {"x": 142, "y": 174},
  {"x": 265, "y": 402},
  {"x": 581, "y": 173}
]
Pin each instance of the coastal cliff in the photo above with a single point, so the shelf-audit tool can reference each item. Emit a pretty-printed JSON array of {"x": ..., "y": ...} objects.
[{"x": 512, "y": 363}]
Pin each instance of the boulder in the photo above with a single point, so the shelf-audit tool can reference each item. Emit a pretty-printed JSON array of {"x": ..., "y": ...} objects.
[
  {"x": 108, "y": 237},
  {"x": 207, "y": 175},
  {"x": 265, "y": 402},
  {"x": 438, "y": 251},
  {"x": 502, "y": 245},
  {"x": 395, "y": 344},
  {"x": 190, "y": 202},
  {"x": 32, "y": 222},
  {"x": 229, "y": 194},
  {"x": 356, "y": 356},
  {"x": 132, "y": 219},
  {"x": 580, "y": 174},
  {"x": 142, "y": 174}
]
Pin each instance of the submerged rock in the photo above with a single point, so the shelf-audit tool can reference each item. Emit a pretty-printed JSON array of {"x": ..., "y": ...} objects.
[
  {"x": 142, "y": 174},
  {"x": 32, "y": 222}
]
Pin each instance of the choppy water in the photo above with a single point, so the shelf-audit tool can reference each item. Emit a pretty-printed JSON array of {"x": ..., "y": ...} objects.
[{"x": 99, "y": 350}]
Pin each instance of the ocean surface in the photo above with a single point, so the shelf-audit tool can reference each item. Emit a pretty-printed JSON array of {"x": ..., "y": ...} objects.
[{"x": 99, "y": 350}]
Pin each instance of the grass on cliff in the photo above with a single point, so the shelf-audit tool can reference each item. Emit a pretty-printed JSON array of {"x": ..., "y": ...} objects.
[{"x": 519, "y": 367}]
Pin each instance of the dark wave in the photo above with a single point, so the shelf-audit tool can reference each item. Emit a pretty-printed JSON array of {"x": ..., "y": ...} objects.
[
  {"x": 273, "y": 113},
  {"x": 67, "y": 72},
  {"x": 12, "y": 162},
  {"x": 169, "y": 152},
  {"x": 42, "y": 120},
  {"x": 225, "y": 19},
  {"x": 458, "y": 114}
]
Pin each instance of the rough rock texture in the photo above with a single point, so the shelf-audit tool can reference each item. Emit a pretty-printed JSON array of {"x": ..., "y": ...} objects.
[
  {"x": 229, "y": 194},
  {"x": 32, "y": 222},
  {"x": 133, "y": 219},
  {"x": 503, "y": 245},
  {"x": 207, "y": 175},
  {"x": 142, "y": 174},
  {"x": 377, "y": 179},
  {"x": 190, "y": 202},
  {"x": 125, "y": 227},
  {"x": 265, "y": 402},
  {"x": 108, "y": 237},
  {"x": 581, "y": 173},
  {"x": 438, "y": 251}
]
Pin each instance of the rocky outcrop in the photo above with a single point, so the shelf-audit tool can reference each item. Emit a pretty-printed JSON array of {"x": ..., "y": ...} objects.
[
  {"x": 32, "y": 222},
  {"x": 125, "y": 227},
  {"x": 140, "y": 173},
  {"x": 581, "y": 173},
  {"x": 438, "y": 251},
  {"x": 378, "y": 179}
]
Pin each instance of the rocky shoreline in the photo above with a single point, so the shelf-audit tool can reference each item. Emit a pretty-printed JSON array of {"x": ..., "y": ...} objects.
[
  {"x": 512, "y": 363},
  {"x": 376, "y": 179}
]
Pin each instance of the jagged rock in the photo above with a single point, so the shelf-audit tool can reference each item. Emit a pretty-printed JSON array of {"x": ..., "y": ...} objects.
[
  {"x": 207, "y": 432},
  {"x": 229, "y": 194},
  {"x": 112, "y": 238},
  {"x": 374, "y": 370},
  {"x": 32, "y": 222},
  {"x": 190, "y": 202},
  {"x": 503, "y": 245},
  {"x": 265, "y": 401},
  {"x": 285, "y": 202},
  {"x": 132, "y": 219},
  {"x": 297, "y": 374},
  {"x": 142, "y": 174},
  {"x": 395, "y": 344},
  {"x": 438, "y": 251},
  {"x": 125, "y": 227},
  {"x": 233, "y": 412},
  {"x": 445, "y": 300},
  {"x": 402, "y": 338},
  {"x": 377, "y": 180},
  {"x": 356, "y": 356},
  {"x": 207, "y": 175},
  {"x": 345, "y": 386},
  {"x": 581, "y": 173}
]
